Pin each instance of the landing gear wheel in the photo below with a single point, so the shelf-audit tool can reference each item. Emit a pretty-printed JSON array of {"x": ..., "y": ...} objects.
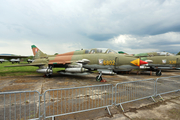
[
  {"x": 158, "y": 73},
  {"x": 98, "y": 78}
]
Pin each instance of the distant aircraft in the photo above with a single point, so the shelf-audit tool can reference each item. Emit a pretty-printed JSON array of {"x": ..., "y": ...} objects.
[
  {"x": 17, "y": 60},
  {"x": 158, "y": 61},
  {"x": 2, "y": 60},
  {"x": 10, "y": 57},
  {"x": 30, "y": 60},
  {"x": 82, "y": 62}
]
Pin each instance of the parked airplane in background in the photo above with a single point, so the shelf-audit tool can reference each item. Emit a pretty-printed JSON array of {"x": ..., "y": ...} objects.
[
  {"x": 11, "y": 57},
  {"x": 14, "y": 60},
  {"x": 2, "y": 60},
  {"x": 30, "y": 60},
  {"x": 82, "y": 62},
  {"x": 158, "y": 61}
]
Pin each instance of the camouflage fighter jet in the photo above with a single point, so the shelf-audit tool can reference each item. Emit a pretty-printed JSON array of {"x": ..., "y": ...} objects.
[
  {"x": 158, "y": 61},
  {"x": 82, "y": 62}
]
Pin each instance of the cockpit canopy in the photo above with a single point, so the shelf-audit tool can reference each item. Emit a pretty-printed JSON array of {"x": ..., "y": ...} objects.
[
  {"x": 155, "y": 54},
  {"x": 100, "y": 50},
  {"x": 165, "y": 54}
]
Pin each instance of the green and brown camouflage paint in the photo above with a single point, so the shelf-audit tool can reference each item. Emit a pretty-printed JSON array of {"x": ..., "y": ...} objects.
[{"x": 74, "y": 56}]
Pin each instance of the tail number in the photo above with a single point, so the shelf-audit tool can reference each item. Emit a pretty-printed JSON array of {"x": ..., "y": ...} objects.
[
  {"x": 172, "y": 62},
  {"x": 109, "y": 62}
]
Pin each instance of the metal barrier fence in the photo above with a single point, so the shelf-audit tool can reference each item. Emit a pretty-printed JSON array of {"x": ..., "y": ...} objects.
[
  {"x": 166, "y": 85},
  {"x": 65, "y": 101},
  {"x": 132, "y": 91},
  {"x": 19, "y": 105},
  {"x": 57, "y": 102}
]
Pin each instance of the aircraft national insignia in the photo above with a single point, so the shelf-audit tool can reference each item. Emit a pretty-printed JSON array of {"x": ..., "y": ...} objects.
[
  {"x": 100, "y": 61},
  {"x": 164, "y": 61},
  {"x": 36, "y": 50}
]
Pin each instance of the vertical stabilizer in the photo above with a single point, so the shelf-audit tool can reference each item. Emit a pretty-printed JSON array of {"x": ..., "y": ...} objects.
[{"x": 38, "y": 53}]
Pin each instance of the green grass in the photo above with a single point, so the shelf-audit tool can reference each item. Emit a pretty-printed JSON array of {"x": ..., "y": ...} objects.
[{"x": 21, "y": 71}]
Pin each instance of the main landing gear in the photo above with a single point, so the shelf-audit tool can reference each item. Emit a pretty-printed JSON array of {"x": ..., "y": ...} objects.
[
  {"x": 158, "y": 73},
  {"x": 48, "y": 72}
]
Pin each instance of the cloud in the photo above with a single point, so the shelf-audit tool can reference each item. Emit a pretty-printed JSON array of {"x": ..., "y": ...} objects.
[
  {"x": 21, "y": 47},
  {"x": 65, "y": 25},
  {"x": 153, "y": 43}
]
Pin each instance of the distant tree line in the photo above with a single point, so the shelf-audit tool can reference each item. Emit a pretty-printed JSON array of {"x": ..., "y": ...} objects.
[{"x": 178, "y": 53}]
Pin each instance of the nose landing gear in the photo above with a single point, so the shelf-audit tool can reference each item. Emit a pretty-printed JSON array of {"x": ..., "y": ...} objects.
[
  {"x": 158, "y": 73},
  {"x": 99, "y": 78}
]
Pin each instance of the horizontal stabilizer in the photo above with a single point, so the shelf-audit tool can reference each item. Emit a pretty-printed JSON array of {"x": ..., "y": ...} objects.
[
  {"x": 32, "y": 64},
  {"x": 6, "y": 57},
  {"x": 63, "y": 62}
]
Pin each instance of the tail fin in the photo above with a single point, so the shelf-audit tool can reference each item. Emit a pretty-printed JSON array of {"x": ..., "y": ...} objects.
[{"x": 38, "y": 53}]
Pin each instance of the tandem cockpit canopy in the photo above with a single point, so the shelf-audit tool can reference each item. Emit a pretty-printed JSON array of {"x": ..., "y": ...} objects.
[
  {"x": 165, "y": 54},
  {"x": 101, "y": 50}
]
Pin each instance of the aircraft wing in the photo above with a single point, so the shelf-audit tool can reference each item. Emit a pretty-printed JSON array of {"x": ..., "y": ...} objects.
[
  {"x": 5, "y": 56},
  {"x": 32, "y": 64}
]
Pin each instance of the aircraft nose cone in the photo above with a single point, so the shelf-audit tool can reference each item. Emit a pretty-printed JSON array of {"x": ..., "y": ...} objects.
[
  {"x": 138, "y": 62},
  {"x": 143, "y": 62}
]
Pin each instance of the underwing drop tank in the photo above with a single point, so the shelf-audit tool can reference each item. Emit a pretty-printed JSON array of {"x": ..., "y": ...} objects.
[
  {"x": 106, "y": 71},
  {"x": 46, "y": 71},
  {"x": 76, "y": 70}
]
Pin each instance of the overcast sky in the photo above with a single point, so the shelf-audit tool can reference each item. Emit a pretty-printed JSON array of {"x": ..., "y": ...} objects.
[{"x": 58, "y": 26}]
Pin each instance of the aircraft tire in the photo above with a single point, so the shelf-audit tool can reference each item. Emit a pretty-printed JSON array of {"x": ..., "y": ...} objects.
[
  {"x": 100, "y": 78},
  {"x": 158, "y": 73}
]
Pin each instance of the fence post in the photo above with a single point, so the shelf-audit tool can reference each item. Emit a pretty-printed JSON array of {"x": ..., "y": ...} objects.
[
  {"x": 44, "y": 105},
  {"x": 156, "y": 88},
  {"x": 114, "y": 92}
]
